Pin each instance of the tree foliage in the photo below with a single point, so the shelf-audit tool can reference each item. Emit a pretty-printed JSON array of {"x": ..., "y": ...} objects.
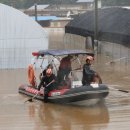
[{"x": 28, "y": 3}]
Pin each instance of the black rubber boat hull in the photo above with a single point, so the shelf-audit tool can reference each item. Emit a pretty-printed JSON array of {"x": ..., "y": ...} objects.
[{"x": 72, "y": 95}]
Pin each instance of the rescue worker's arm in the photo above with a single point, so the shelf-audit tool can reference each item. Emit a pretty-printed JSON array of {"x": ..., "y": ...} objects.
[{"x": 41, "y": 83}]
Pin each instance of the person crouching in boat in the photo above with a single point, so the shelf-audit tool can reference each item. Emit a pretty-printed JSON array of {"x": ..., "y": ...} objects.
[
  {"x": 89, "y": 75},
  {"x": 43, "y": 73},
  {"x": 48, "y": 82}
]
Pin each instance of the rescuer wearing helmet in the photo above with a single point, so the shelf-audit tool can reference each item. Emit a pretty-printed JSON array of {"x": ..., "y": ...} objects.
[
  {"x": 43, "y": 73},
  {"x": 89, "y": 75},
  {"x": 48, "y": 82}
]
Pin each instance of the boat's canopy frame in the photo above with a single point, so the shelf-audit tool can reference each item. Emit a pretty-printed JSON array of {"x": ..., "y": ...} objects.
[
  {"x": 51, "y": 55},
  {"x": 61, "y": 52}
]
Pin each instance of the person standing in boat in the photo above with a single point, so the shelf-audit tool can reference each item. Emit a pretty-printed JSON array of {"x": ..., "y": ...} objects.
[
  {"x": 64, "y": 68},
  {"x": 48, "y": 82},
  {"x": 89, "y": 75}
]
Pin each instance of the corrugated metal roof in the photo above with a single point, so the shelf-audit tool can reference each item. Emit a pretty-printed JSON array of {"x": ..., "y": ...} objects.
[{"x": 39, "y": 7}]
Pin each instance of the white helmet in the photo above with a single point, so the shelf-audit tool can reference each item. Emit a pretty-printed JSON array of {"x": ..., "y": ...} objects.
[{"x": 90, "y": 58}]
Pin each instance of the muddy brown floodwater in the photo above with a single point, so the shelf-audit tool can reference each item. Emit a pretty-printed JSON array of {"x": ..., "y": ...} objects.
[{"x": 110, "y": 114}]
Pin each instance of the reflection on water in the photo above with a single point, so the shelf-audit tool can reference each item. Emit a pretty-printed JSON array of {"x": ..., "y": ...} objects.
[{"x": 61, "y": 117}]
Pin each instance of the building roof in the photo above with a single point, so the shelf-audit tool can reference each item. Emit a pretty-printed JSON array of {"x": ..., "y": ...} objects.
[
  {"x": 85, "y": 1},
  {"x": 39, "y": 7}
]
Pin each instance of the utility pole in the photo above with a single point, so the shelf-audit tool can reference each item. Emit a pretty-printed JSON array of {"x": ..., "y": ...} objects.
[
  {"x": 96, "y": 23},
  {"x": 35, "y": 5}
]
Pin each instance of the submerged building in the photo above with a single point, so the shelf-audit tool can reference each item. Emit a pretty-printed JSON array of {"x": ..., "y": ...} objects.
[{"x": 19, "y": 36}]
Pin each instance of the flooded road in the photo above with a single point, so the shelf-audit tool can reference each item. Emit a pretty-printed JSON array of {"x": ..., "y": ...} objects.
[{"x": 110, "y": 114}]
